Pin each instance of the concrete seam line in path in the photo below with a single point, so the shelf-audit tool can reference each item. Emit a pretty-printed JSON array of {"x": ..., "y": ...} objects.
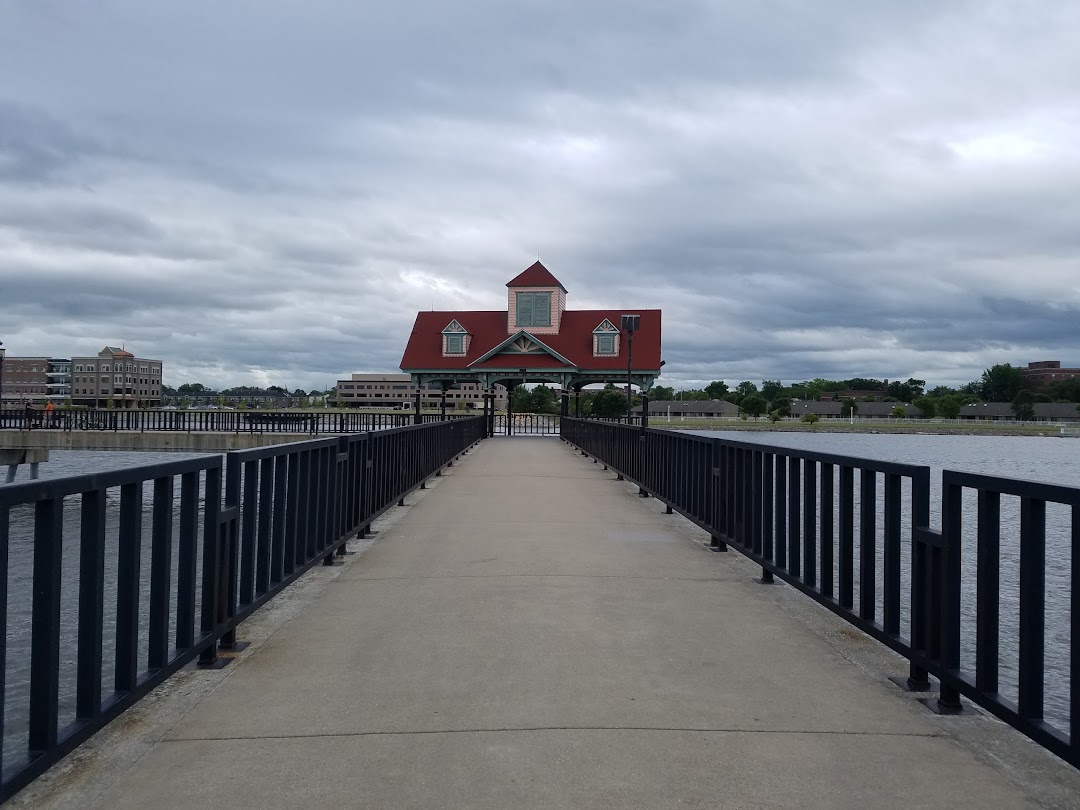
[
  {"x": 524, "y": 729},
  {"x": 534, "y": 576}
]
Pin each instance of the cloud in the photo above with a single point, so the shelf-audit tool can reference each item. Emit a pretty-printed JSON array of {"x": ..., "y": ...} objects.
[{"x": 268, "y": 192}]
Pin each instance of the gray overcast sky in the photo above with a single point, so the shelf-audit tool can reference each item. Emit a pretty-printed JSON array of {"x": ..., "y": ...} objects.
[{"x": 260, "y": 191}]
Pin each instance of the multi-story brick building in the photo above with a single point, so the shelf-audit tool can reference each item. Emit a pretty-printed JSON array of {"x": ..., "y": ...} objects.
[
  {"x": 1044, "y": 372},
  {"x": 398, "y": 391},
  {"x": 25, "y": 380},
  {"x": 117, "y": 375}
]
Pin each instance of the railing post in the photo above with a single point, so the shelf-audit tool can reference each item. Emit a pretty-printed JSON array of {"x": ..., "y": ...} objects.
[{"x": 918, "y": 678}]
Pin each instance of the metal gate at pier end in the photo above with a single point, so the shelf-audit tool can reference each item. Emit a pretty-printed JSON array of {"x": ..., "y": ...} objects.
[
  {"x": 141, "y": 571},
  {"x": 526, "y": 424},
  {"x": 853, "y": 534}
]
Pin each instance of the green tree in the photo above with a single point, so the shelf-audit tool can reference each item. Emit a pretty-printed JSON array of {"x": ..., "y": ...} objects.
[
  {"x": 906, "y": 391},
  {"x": 544, "y": 400},
  {"x": 1000, "y": 383},
  {"x": 191, "y": 388},
  {"x": 899, "y": 412},
  {"x": 927, "y": 406},
  {"x": 948, "y": 407},
  {"x": 661, "y": 393},
  {"x": 771, "y": 389},
  {"x": 810, "y": 418},
  {"x": 849, "y": 407},
  {"x": 864, "y": 384},
  {"x": 1023, "y": 406},
  {"x": 608, "y": 403},
  {"x": 775, "y": 416},
  {"x": 716, "y": 389},
  {"x": 753, "y": 405},
  {"x": 745, "y": 389},
  {"x": 781, "y": 405}
]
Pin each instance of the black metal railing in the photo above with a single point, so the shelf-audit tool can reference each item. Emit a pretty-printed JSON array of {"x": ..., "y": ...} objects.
[
  {"x": 216, "y": 421},
  {"x": 527, "y": 424},
  {"x": 854, "y": 535},
  {"x": 242, "y": 527}
]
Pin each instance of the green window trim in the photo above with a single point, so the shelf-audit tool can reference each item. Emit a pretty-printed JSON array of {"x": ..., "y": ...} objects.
[{"x": 533, "y": 309}]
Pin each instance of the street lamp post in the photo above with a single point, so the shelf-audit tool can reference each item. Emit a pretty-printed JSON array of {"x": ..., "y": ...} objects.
[
  {"x": 3, "y": 351},
  {"x": 630, "y": 325}
]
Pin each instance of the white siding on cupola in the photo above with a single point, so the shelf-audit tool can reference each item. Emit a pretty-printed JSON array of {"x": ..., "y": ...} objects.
[{"x": 556, "y": 302}]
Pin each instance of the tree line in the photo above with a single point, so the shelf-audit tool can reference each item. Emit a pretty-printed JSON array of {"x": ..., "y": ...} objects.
[{"x": 999, "y": 383}]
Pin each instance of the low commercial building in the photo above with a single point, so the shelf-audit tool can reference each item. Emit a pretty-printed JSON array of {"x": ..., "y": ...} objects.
[
  {"x": 697, "y": 409},
  {"x": 398, "y": 391}
]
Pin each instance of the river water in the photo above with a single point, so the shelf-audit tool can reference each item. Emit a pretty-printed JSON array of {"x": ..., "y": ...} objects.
[
  {"x": 1031, "y": 458},
  {"x": 1054, "y": 460}
]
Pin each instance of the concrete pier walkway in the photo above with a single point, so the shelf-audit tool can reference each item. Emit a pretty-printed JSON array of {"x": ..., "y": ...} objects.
[{"x": 531, "y": 634}]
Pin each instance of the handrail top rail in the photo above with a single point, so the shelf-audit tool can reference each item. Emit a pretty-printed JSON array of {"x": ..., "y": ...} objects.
[
  {"x": 258, "y": 453},
  {"x": 875, "y": 465},
  {"x": 1019, "y": 487},
  {"x": 30, "y": 491}
]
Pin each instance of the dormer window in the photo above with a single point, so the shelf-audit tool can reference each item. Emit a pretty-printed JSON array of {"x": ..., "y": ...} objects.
[
  {"x": 533, "y": 309},
  {"x": 605, "y": 339},
  {"x": 455, "y": 339}
]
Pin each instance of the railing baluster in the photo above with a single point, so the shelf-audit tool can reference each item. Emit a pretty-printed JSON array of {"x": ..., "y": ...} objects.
[
  {"x": 793, "y": 518},
  {"x": 827, "y": 531},
  {"x": 847, "y": 537},
  {"x": 809, "y": 527},
  {"x": 249, "y": 523},
  {"x": 45, "y": 628},
  {"x": 266, "y": 513},
  {"x": 1032, "y": 606},
  {"x": 128, "y": 562},
  {"x": 160, "y": 573},
  {"x": 187, "y": 560},
  {"x": 891, "y": 577},
  {"x": 867, "y": 544},
  {"x": 91, "y": 604},
  {"x": 987, "y": 605},
  {"x": 781, "y": 511}
]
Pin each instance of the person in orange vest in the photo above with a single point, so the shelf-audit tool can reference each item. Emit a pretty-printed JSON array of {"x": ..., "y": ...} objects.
[{"x": 49, "y": 413}]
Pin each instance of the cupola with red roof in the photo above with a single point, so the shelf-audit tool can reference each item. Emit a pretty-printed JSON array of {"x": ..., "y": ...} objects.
[{"x": 535, "y": 301}]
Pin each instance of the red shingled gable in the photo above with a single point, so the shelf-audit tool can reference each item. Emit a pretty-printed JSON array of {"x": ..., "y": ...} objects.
[
  {"x": 574, "y": 341},
  {"x": 535, "y": 276}
]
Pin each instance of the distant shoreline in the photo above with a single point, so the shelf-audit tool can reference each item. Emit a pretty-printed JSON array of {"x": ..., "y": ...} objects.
[{"x": 1053, "y": 430}]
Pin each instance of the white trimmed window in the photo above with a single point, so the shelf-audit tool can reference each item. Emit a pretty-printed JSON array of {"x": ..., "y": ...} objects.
[
  {"x": 455, "y": 339},
  {"x": 605, "y": 339}
]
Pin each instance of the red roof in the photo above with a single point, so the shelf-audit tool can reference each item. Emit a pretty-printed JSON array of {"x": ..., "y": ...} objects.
[
  {"x": 574, "y": 341},
  {"x": 535, "y": 276}
]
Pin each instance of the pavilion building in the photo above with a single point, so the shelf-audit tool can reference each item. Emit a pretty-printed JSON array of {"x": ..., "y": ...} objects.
[{"x": 536, "y": 339}]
